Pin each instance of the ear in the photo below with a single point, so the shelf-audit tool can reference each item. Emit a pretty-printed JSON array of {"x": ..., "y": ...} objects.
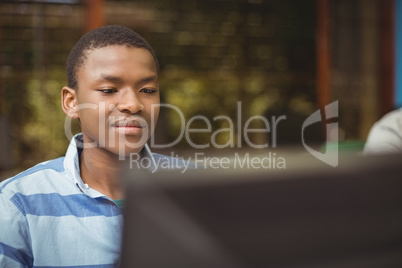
[{"x": 69, "y": 102}]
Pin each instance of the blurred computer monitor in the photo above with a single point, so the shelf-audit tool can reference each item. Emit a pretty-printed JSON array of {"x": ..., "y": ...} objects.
[{"x": 308, "y": 216}]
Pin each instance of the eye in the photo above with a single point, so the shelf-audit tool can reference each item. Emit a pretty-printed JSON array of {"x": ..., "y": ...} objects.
[
  {"x": 108, "y": 90},
  {"x": 148, "y": 90}
]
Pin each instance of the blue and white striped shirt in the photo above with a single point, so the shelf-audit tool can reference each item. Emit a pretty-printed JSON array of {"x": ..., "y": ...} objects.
[{"x": 49, "y": 217}]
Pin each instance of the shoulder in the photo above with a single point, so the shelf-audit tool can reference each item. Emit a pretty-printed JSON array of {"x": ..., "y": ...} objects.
[
  {"x": 391, "y": 120},
  {"x": 32, "y": 179},
  {"x": 386, "y": 134}
]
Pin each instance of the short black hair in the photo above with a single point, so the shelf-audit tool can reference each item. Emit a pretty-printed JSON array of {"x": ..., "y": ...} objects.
[{"x": 110, "y": 35}]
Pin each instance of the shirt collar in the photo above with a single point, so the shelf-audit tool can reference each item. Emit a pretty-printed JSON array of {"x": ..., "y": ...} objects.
[{"x": 72, "y": 164}]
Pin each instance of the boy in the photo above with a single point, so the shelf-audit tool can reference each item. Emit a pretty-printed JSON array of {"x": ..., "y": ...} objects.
[{"x": 65, "y": 212}]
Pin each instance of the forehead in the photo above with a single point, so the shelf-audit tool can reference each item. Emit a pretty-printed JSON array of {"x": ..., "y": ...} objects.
[{"x": 117, "y": 59}]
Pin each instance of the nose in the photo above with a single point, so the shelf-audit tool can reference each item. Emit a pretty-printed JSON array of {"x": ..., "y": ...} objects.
[{"x": 130, "y": 103}]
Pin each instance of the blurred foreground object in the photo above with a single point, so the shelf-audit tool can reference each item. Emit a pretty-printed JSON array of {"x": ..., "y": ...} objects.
[{"x": 310, "y": 215}]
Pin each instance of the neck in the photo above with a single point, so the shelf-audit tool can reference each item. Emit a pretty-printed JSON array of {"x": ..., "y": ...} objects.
[{"x": 100, "y": 171}]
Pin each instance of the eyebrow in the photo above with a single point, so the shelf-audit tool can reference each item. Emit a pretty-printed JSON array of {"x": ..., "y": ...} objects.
[
  {"x": 109, "y": 78},
  {"x": 151, "y": 78},
  {"x": 117, "y": 79}
]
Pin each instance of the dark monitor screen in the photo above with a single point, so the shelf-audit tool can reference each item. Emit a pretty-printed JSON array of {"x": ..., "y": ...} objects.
[{"x": 310, "y": 216}]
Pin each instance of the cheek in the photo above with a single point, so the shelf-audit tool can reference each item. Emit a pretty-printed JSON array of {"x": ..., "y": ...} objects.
[
  {"x": 87, "y": 121},
  {"x": 151, "y": 106},
  {"x": 155, "y": 110},
  {"x": 94, "y": 115},
  {"x": 153, "y": 114}
]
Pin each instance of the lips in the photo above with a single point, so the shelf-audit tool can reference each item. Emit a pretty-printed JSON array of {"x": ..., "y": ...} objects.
[
  {"x": 130, "y": 126},
  {"x": 131, "y": 123}
]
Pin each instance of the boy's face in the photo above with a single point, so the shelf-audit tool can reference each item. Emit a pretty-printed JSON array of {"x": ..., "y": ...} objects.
[{"x": 117, "y": 87}]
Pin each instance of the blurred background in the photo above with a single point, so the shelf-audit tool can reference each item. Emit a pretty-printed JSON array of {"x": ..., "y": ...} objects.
[{"x": 277, "y": 57}]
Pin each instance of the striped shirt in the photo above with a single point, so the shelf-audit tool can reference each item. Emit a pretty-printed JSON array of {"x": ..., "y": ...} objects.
[{"x": 49, "y": 217}]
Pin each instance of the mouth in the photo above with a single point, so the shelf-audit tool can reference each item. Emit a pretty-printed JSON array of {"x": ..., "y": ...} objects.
[{"x": 129, "y": 127}]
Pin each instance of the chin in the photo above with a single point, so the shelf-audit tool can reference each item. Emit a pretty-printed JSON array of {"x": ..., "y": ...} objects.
[{"x": 126, "y": 151}]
